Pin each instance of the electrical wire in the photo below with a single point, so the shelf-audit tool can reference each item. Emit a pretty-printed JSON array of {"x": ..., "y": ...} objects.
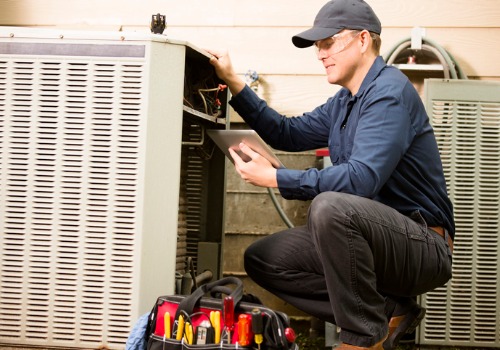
[
  {"x": 278, "y": 207},
  {"x": 252, "y": 78},
  {"x": 215, "y": 102}
]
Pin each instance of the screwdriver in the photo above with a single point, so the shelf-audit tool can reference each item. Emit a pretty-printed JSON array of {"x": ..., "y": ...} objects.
[
  {"x": 188, "y": 332},
  {"x": 215, "y": 321},
  {"x": 244, "y": 329},
  {"x": 166, "y": 319},
  {"x": 229, "y": 316},
  {"x": 257, "y": 326},
  {"x": 180, "y": 328}
]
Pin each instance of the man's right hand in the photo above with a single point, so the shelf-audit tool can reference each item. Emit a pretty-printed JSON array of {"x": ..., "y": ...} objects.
[{"x": 225, "y": 71}]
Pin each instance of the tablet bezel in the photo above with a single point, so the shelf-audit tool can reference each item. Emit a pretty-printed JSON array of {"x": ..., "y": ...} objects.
[{"x": 228, "y": 138}]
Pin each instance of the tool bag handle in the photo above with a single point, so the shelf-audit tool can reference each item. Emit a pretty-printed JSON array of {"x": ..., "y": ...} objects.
[{"x": 190, "y": 301}]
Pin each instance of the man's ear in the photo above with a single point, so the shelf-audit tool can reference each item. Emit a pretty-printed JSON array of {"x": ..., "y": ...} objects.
[{"x": 366, "y": 40}]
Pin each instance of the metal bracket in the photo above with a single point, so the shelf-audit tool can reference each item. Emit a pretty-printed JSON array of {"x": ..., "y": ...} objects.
[{"x": 417, "y": 36}]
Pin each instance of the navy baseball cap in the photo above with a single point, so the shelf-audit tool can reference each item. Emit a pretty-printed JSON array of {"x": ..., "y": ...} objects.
[{"x": 337, "y": 15}]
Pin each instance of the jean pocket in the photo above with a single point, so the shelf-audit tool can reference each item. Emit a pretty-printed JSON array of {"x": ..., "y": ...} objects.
[{"x": 418, "y": 232}]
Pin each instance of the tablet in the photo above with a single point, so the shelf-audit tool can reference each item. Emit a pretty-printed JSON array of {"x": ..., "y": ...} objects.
[{"x": 226, "y": 139}]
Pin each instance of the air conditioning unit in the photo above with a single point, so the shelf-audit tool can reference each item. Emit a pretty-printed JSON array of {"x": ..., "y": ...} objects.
[
  {"x": 107, "y": 181},
  {"x": 465, "y": 115}
]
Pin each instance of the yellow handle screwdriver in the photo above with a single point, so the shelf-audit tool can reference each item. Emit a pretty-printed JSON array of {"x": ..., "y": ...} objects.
[
  {"x": 180, "y": 328},
  {"x": 257, "y": 327},
  {"x": 189, "y": 333},
  {"x": 215, "y": 320},
  {"x": 166, "y": 321}
]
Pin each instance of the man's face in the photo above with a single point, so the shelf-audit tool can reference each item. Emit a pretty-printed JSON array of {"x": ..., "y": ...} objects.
[{"x": 338, "y": 56}]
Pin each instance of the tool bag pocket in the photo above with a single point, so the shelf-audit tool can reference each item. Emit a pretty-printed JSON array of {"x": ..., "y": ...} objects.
[
  {"x": 160, "y": 343},
  {"x": 198, "y": 321}
]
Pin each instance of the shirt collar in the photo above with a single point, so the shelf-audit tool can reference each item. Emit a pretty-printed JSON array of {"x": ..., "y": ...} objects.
[{"x": 374, "y": 71}]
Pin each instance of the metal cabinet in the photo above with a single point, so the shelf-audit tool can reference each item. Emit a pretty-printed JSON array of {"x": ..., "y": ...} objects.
[{"x": 107, "y": 182}]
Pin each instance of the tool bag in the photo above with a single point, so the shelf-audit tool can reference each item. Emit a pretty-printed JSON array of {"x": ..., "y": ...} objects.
[{"x": 216, "y": 316}]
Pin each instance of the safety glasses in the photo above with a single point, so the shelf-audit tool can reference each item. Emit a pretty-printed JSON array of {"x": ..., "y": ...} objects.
[{"x": 337, "y": 43}]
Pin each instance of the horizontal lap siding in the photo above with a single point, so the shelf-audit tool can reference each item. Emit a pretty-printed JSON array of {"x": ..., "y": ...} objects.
[
  {"x": 256, "y": 13},
  {"x": 270, "y": 50},
  {"x": 257, "y": 30},
  {"x": 257, "y": 34}
]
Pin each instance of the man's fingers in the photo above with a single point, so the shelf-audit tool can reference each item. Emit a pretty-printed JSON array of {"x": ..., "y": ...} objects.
[
  {"x": 248, "y": 151},
  {"x": 236, "y": 158},
  {"x": 216, "y": 55}
]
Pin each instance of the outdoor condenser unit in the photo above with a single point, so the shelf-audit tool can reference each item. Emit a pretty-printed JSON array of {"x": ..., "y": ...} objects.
[
  {"x": 465, "y": 115},
  {"x": 108, "y": 183}
]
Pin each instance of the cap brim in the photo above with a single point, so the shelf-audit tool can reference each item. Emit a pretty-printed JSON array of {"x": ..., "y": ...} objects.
[{"x": 309, "y": 37}]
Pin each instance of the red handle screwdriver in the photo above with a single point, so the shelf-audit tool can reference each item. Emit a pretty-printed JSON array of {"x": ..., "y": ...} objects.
[{"x": 229, "y": 316}]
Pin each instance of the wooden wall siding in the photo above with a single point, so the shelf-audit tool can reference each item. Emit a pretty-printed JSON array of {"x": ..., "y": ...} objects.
[
  {"x": 256, "y": 30},
  {"x": 258, "y": 34},
  {"x": 255, "y": 13},
  {"x": 270, "y": 50}
]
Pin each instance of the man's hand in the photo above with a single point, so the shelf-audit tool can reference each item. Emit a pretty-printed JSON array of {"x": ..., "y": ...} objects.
[
  {"x": 225, "y": 71},
  {"x": 259, "y": 171}
]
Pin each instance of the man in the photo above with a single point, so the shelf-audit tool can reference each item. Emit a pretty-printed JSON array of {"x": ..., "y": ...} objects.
[{"x": 380, "y": 226}]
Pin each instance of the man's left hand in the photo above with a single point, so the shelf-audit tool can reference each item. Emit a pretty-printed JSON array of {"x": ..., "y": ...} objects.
[{"x": 258, "y": 171}]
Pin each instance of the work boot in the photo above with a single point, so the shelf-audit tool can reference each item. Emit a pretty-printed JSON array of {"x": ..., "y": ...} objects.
[
  {"x": 403, "y": 324},
  {"x": 344, "y": 346}
]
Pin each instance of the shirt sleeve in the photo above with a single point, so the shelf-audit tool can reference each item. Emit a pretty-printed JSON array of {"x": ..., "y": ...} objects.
[
  {"x": 381, "y": 137},
  {"x": 291, "y": 134},
  {"x": 371, "y": 148}
]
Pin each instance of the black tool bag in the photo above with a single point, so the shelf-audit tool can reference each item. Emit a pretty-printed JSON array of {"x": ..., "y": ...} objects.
[{"x": 216, "y": 316}]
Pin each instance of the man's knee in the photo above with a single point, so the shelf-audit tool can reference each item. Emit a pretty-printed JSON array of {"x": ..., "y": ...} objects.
[
  {"x": 251, "y": 258},
  {"x": 328, "y": 205}
]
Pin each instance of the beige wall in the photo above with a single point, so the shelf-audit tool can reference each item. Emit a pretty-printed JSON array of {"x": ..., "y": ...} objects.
[{"x": 257, "y": 33}]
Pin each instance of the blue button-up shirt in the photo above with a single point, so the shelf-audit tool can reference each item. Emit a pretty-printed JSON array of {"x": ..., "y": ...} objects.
[{"x": 381, "y": 145}]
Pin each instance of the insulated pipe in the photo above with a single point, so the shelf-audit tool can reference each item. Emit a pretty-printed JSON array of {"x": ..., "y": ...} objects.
[
  {"x": 446, "y": 54},
  {"x": 454, "y": 66},
  {"x": 447, "y": 69}
]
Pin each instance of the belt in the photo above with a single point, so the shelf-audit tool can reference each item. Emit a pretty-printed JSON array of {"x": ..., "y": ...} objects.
[{"x": 441, "y": 231}]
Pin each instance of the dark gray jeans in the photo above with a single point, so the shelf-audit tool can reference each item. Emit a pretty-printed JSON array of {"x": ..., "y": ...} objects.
[{"x": 352, "y": 253}]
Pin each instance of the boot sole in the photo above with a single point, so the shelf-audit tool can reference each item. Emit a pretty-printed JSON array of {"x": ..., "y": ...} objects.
[{"x": 407, "y": 326}]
